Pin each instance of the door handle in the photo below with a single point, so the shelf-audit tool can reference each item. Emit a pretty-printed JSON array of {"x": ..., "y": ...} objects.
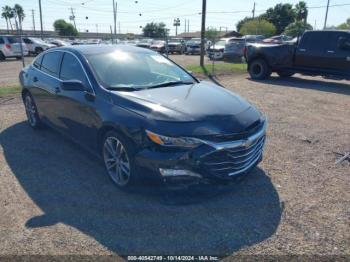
[
  {"x": 330, "y": 51},
  {"x": 35, "y": 79},
  {"x": 57, "y": 90},
  {"x": 302, "y": 50}
]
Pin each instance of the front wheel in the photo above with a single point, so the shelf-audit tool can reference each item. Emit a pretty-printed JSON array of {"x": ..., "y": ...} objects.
[
  {"x": 285, "y": 74},
  {"x": 118, "y": 156},
  {"x": 259, "y": 69},
  {"x": 31, "y": 112}
]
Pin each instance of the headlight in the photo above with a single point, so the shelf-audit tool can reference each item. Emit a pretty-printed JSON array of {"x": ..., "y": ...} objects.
[{"x": 186, "y": 142}]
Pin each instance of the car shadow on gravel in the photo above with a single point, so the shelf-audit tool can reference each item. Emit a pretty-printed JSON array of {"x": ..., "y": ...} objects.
[
  {"x": 314, "y": 84},
  {"x": 71, "y": 187}
]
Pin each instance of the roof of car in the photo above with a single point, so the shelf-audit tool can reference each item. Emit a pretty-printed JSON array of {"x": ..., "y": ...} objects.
[{"x": 101, "y": 49}]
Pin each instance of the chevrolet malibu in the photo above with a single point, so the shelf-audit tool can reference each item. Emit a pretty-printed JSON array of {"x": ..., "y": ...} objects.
[{"x": 143, "y": 114}]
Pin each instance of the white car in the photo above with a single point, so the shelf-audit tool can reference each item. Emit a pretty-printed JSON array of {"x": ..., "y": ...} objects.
[
  {"x": 10, "y": 47},
  {"x": 36, "y": 45}
]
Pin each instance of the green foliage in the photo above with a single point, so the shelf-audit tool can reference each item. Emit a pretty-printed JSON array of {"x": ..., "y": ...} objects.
[
  {"x": 18, "y": 12},
  {"x": 212, "y": 34},
  {"x": 344, "y": 26},
  {"x": 154, "y": 30},
  {"x": 297, "y": 28},
  {"x": 64, "y": 29},
  {"x": 258, "y": 27},
  {"x": 240, "y": 23},
  {"x": 280, "y": 16},
  {"x": 301, "y": 11}
]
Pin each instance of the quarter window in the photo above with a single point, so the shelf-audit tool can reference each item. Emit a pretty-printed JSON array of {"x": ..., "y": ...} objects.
[
  {"x": 51, "y": 63},
  {"x": 72, "y": 70},
  {"x": 37, "y": 61}
]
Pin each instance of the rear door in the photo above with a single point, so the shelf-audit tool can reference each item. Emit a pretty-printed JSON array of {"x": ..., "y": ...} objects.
[
  {"x": 338, "y": 57},
  {"x": 46, "y": 82},
  {"x": 311, "y": 52},
  {"x": 76, "y": 112}
]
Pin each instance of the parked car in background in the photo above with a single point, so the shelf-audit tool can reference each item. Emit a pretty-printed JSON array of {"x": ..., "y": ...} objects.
[
  {"x": 279, "y": 39},
  {"x": 159, "y": 46},
  {"x": 145, "y": 43},
  {"x": 193, "y": 47},
  {"x": 176, "y": 45},
  {"x": 58, "y": 42},
  {"x": 216, "y": 50},
  {"x": 143, "y": 114},
  {"x": 324, "y": 53},
  {"x": 36, "y": 45},
  {"x": 234, "y": 49},
  {"x": 10, "y": 47},
  {"x": 253, "y": 38}
]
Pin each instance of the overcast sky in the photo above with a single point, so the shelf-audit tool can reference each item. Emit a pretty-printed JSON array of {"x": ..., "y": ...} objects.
[{"x": 131, "y": 15}]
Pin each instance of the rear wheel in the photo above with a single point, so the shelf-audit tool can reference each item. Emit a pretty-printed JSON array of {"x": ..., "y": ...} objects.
[
  {"x": 259, "y": 69},
  {"x": 31, "y": 111},
  {"x": 118, "y": 156},
  {"x": 285, "y": 74},
  {"x": 2, "y": 56}
]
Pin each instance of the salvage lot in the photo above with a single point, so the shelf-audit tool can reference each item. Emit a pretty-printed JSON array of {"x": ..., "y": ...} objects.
[{"x": 56, "y": 199}]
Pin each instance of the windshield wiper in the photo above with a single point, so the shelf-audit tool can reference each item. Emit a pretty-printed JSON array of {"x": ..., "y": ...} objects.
[
  {"x": 123, "y": 88},
  {"x": 171, "y": 83}
]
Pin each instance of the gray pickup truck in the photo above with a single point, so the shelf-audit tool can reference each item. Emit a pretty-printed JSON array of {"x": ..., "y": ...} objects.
[{"x": 324, "y": 53}]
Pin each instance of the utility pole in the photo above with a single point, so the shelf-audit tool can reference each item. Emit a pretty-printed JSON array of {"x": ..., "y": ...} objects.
[
  {"x": 41, "y": 21},
  {"x": 204, "y": 10},
  {"x": 176, "y": 24},
  {"x": 72, "y": 18},
  {"x": 188, "y": 25},
  {"x": 115, "y": 6},
  {"x": 119, "y": 28},
  {"x": 325, "y": 19},
  {"x": 111, "y": 33},
  {"x": 33, "y": 21},
  {"x": 185, "y": 25},
  {"x": 253, "y": 11},
  {"x": 97, "y": 29}
]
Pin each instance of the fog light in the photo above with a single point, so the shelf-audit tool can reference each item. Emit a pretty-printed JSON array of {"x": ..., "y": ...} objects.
[{"x": 177, "y": 172}]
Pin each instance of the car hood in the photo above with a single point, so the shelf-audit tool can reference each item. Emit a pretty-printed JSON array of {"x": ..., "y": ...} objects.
[
  {"x": 197, "y": 103},
  {"x": 174, "y": 43}
]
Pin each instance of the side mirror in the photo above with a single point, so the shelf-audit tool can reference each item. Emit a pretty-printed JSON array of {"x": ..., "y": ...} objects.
[{"x": 72, "y": 85}]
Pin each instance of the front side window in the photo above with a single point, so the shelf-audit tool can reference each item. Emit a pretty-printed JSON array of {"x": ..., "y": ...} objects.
[
  {"x": 51, "y": 63},
  {"x": 136, "y": 70},
  {"x": 72, "y": 70},
  {"x": 37, "y": 61},
  {"x": 27, "y": 41}
]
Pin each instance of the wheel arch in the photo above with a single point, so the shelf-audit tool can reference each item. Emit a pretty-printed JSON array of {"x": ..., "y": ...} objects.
[{"x": 258, "y": 56}]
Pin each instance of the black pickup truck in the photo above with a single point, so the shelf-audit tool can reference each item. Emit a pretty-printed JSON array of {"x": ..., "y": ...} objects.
[{"x": 324, "y": 53}]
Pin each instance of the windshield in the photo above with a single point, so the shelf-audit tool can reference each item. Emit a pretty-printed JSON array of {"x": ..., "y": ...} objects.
[
  {"x": 136, "y": 70},
  {"x": 221, "y": 42}
]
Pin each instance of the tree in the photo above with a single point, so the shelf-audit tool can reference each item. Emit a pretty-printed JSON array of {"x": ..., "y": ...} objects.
[
  {"x": 154, "y": 30},
  {"x": 344, "y": 26},
  {"x": 241, "y": 22},
  {"x": 258, "y": 27},
  {"x": 280, "y": 16},
  {"x": 64, "y": 29},
  {"x": 212, "y": 34},
  {"x": 301, "y": 12},
  {"x": 297, "y": 28},
  {"x": 7, "y": 14},
  {"x": 18, "y": 14}
]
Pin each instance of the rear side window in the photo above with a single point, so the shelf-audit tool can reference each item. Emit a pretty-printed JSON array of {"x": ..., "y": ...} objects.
[
  {"x": 314, "y": 41},
  {"x": 37, "y": 61},
  {"x": 27, "y": 41},
  {"x": 12, "y": 40},
  {"x": 2, "y": 40},
  {"x": 71, "y": 69},
  {"x": 51, "y": 63},
  {"x": 334, "y": 40}
]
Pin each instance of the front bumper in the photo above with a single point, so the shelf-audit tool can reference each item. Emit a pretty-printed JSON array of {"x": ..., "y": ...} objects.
[{"x": 222, "y": 161}]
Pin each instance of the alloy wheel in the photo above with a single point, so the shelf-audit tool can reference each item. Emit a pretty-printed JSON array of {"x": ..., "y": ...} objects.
[
  {"x": 116, "y": 161},
  {"x": 31, "y": 111}
]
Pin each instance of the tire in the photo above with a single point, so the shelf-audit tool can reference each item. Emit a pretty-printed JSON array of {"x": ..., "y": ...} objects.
[
  {"x": 259, "y": 69},
  {"x": 285, "y": 74},
  {"x": 18, "y": 57},
  {"x": 2, "y": 57},
  {"x": 118, "y": 158},
  {"x": 38, "y": 50},
  {"x": 31, "y": 112}
]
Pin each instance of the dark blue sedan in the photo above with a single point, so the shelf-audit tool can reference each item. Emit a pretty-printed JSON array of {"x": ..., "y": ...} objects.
[{"x": 144, "y": 115}]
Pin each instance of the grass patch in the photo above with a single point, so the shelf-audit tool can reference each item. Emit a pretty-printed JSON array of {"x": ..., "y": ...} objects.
[
  {"x": 220, "y": 68},
  {"x": 9, "y": 90}
]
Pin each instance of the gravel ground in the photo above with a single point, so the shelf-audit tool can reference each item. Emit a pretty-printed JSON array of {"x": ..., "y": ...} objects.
[{"x": 56, "y": 199}]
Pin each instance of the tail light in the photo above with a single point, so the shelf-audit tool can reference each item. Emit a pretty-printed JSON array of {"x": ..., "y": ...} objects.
[{"x": 8, "y": 46}]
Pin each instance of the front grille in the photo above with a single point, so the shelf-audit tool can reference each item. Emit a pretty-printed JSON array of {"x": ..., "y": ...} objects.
[{"x": 228, "y": 162}]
